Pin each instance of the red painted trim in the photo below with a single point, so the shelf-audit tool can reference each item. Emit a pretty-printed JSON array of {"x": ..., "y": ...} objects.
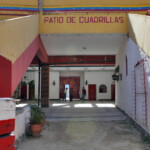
[
  {"x": 42, "y": 54},
  {"x": 5, "y": 77},
  {"x": 35, "y": 61},
  {"x": 89, "y": 10},
  {"x": 7, "y": 143},
  {"x": 7, "y": 126},
  {"x": 82, "y": 60}
]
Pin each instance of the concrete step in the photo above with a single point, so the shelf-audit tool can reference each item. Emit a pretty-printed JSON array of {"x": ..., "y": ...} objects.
[
  {"x": 101, "y": 118},
  {"x": 58, "y": 112}
]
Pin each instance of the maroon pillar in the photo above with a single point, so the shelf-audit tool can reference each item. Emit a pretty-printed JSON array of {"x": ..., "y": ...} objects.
[
  {"x": 45, "y": 86},
  {"x": 5, "y": 77}
]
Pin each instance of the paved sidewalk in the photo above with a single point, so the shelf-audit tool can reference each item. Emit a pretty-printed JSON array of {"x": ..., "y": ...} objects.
[{"x": 73, "y": 126}]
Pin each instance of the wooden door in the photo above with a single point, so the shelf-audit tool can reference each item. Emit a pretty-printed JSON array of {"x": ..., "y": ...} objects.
[
  {"x": 23, "y": 91},
  {"x": 92, "y": 91},
  {"x": 74, "y": 82},
  {"x": 113, "y": 92},
  {"x": 31, "y": 92}
]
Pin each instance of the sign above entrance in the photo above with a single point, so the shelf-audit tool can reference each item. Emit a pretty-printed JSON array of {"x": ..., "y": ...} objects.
[
  {"x": 81, "y": 19},
  {"x": 84, "y": 23}
]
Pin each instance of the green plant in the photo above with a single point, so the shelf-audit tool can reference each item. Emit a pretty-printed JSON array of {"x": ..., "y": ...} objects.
[
  {"x": 31, "y": 83},
  {"x": 23, "y": 83},
  {"x": 36, "y": 115}
]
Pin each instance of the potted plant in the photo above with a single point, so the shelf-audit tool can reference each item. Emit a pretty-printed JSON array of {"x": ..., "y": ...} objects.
[{"x": 36, "y": 120}]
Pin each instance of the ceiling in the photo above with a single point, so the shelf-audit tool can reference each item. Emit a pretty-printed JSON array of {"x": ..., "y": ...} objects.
[{"x": 82, "y": 44}]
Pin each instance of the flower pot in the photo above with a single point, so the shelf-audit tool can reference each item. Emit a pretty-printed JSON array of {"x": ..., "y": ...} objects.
[{"x": 36, "y": 129}]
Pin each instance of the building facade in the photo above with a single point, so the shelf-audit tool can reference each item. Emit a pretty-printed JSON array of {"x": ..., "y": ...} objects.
[{"x": 68, "y": 34}]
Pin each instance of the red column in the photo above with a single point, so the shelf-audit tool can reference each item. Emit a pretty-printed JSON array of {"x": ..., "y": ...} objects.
[
  {"x": 11, "y": 74},
  {"x": 5, "y": 77},
  {"x": 45, "y": 86}
]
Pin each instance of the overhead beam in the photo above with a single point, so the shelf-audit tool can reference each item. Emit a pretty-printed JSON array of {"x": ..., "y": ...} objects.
[{"x": 82, "y": 60}]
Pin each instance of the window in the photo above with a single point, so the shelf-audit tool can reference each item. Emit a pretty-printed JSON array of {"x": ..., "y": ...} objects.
[{"x": 102, "y": 88}]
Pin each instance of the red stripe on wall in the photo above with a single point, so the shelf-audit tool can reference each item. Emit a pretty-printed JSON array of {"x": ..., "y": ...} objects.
[
  {"x": 5, "y": 77},
  {"x": 7, "y": 142},
  {"x": 7, "y": 126},
  {"x": 97, "y": 10}
]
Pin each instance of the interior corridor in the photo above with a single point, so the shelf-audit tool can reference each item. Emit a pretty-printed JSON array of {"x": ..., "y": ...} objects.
[{"x": 86, "y": 125}]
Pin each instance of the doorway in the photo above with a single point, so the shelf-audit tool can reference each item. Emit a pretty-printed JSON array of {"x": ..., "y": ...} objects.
[
  {"x": 92, "y": 91},
  {"x": 67, "y": 86},
  {"x": 113, "y": 92},
  {"x": 73, "y": 82},
  {"x": 23, "y": 91}
]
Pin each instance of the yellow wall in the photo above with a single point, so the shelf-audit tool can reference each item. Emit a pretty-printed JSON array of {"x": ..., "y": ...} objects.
[
  {"x": 109, "y": 23},
  {"x": 93, "y": 2},
  {"x": 10, "y": 14},
  {"x": 6, "y": 17},
  {"x": 16, "y": 35},
  {"x": 19, "y": 2},
  {"x": 139, "y": 31},
  {"x": 18, "y": 7}
]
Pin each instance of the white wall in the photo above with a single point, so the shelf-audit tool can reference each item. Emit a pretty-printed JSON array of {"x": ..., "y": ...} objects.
[
  {"x": 94, "y": 77},
  {"x": 99, "y": 78},
  {"x": 54, "y": 89},
  {"x": 33, "y": 75},
  {"x": 21, "y": 121},
  {"x": 125, "y": 88},
  {"x": 54, "y": 76},
  {"x": 139, "y": 31}
]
